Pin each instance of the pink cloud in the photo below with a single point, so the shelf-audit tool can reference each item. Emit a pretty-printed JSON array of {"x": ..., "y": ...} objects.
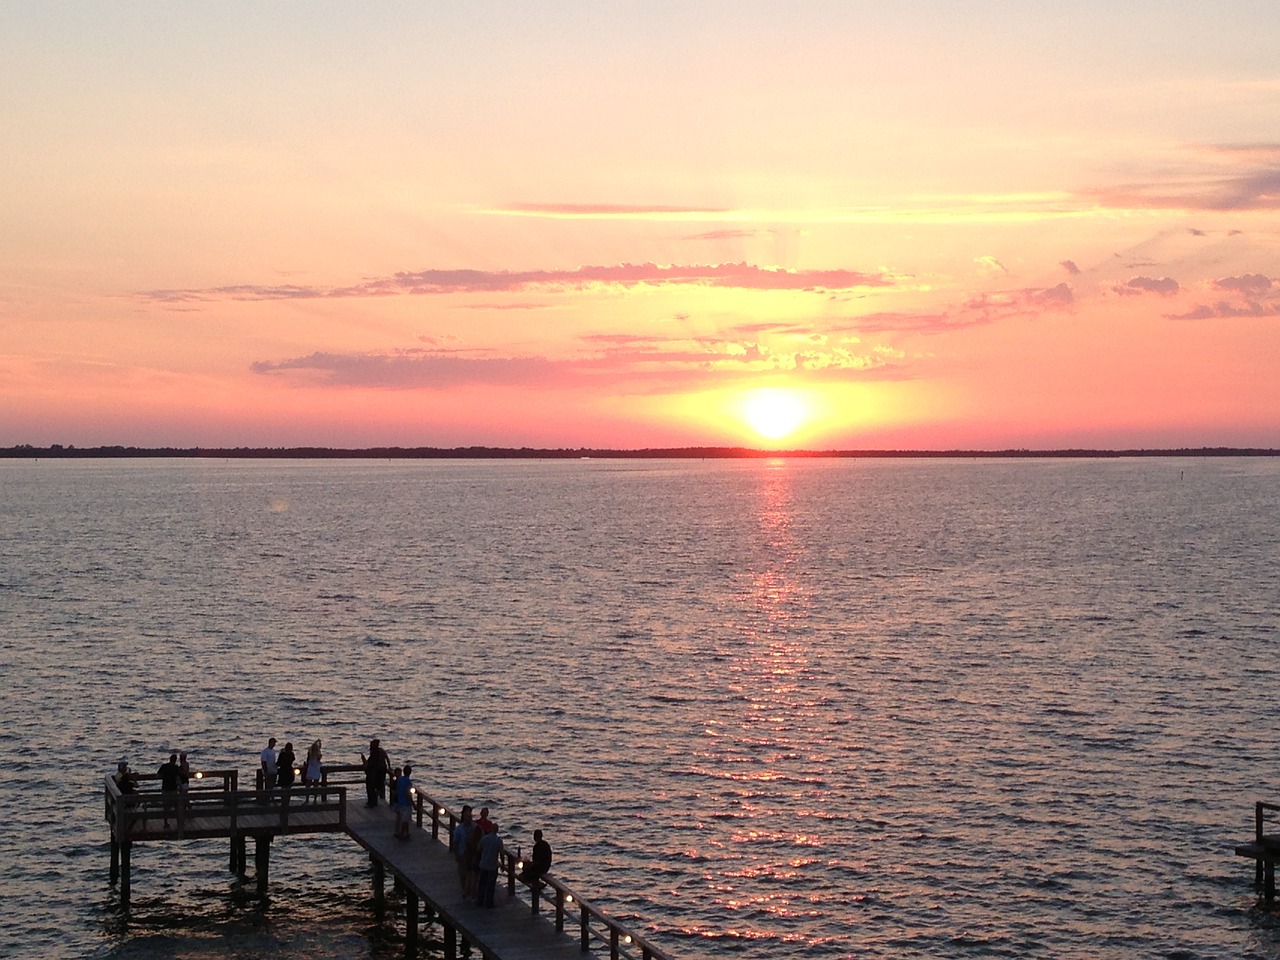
[
  {"x": 607, "y": 209},
  {"x": 1224, "y": 309},
  {"x": 743, "y": 276},
  {"x": 1254, "y": 185},
  {"x": 1165, "y": 286},
  {"x": 1251, "y": 284}
]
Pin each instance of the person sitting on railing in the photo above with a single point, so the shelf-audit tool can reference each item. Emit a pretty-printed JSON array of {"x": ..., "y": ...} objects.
[
  {"x": 539, "y": 863},
  {"x": 125, "y": 778}
]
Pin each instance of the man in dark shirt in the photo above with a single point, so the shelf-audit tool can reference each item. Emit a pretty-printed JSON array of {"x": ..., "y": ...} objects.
[
  {"x": 170, "y": 779},
  {"x": 540, "y": 862}
]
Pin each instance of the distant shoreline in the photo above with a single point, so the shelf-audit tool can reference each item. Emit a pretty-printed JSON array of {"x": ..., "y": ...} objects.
[{"x": 60, "y": 452}]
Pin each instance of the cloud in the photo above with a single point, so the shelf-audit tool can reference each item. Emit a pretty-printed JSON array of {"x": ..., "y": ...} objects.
[
  {"x": 743, "y": 276},
  {"x": 991, "y": 265},
  {"x": 1057, "y": 297},
  {"x": 1251, "y": 284},
  {"x": 1225, "y": 309},
  {"x": 1165, "y": 286},
  {"x": 606, "y": 211},
  {"x": 723, "y": 235},
  {"x": 622, "y": 361},
  {"x": 412, "y": 368},
  {"x": 1070, "y": 267},
  {"x": 1250, "y": 181}
]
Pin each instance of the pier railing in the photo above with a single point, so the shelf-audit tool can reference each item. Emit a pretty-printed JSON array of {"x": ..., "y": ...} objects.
[
  {"x": 211, "y": 797},
  {"x": 595, "y": 927}
]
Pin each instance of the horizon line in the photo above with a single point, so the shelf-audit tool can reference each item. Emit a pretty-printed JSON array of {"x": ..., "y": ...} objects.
[{"x": 480, "y": 452}]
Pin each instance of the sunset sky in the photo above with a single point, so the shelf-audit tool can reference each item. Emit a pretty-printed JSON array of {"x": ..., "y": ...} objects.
[{"x": 917, "y": 225}]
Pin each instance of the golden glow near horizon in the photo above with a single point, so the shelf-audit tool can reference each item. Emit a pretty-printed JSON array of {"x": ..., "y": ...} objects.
[{"x": 478, "y": 227}]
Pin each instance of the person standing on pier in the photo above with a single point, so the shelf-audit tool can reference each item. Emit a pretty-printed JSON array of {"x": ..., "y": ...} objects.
[
  {"x": 184, "y": 780},
  {"x": 268, "y": 761},
  {"x": 376, "y": 766},
  {"x": 285, "y": 770},
  {"x": 404, "y": 801},
  {"x": 311, "y": 773},
  {"x": 461, "y": 834},
  {"x": 170, "y": 780},
  {"x": 490, "y": 855}
]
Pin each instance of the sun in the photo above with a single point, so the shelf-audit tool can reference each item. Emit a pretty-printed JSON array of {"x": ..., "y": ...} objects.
[{"x": 774, "y": 412}]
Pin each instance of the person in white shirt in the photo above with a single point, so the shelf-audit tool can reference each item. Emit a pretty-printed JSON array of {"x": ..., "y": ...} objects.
[{"x": 268, "y": 759}]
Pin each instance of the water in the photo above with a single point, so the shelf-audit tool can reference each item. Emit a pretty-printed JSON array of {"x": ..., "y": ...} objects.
[{"x": 765, "y": 708}]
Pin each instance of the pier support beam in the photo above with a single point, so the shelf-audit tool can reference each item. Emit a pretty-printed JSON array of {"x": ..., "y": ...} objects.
[
  {"x": 124, "y": 874},
  {"x": 410, "y": 924},
  {"x": 450, "y": 936},
  {"x": 262, "y": 862},
  {"x": 238, "y": 855},
  {"x": 115, "y": 860},
  {"x": 379, "y": 887}
]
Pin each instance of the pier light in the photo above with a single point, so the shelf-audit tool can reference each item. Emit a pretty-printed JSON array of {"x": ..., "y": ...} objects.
[
  {"x": 413, "y": 791},
  {"x": 199, "y": 775},
  {"x": 627, "y": 938},
  {"x": 441, "y": 811},
  {"x": 568, "y": 898},
  {"x": 519, "y": 864},
  {"x": 296, "y": 771}
]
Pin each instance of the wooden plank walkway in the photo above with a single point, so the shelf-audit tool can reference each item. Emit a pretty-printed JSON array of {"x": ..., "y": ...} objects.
[{"x": 507, "y": 931}]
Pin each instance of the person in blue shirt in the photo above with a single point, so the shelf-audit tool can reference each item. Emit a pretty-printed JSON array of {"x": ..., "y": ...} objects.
[{"x": 404, "y": 801}]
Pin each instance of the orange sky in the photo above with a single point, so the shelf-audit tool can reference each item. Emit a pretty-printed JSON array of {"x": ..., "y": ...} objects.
[{"x": 960, "y": 225}]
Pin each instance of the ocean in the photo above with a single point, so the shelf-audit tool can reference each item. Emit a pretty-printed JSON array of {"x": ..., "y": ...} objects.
[{"x": 765, "y": 708}]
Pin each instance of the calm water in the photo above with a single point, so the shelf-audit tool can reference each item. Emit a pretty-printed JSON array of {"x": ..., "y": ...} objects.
[{"x": 801, "y": 709}]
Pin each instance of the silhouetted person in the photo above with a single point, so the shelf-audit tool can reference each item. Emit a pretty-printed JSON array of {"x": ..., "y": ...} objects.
[
  {"x": 461, "y": 834},
  {"x": 170, "y": 780},
  {"x": 539, "y": 863},
  {"x": 286, "y": 768},
  {"x": 376, "y": 767},
  {"x": 490, "y": 857}
]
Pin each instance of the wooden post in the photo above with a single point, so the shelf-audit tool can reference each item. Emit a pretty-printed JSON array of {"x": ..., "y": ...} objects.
[
  {"x": 450, "y": 940},
  {"x": 584, "y": 924},
  {"x": 410, "y": 924},
  {"x": 115, "y": 859},
  {"x": 379, "y": 887},
  {"x": 613, "y": 943},
  {"x": 511, "y": 875},
  {"x": 559, "y": 910},
  {"x": 238, "y": 860},
  {"x": 1258, "y": 818},
  {"x": 124, "y": 874},
  {"x": 535, "y": 894},
  {"x": 262, "y": 861}
]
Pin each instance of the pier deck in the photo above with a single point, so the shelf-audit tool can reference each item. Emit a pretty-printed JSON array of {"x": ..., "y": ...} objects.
[{"x": 423, "y": 868}]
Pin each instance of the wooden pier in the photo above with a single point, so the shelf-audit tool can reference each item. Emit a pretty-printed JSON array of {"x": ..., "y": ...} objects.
[
  {"x": 1263, "y": 849},
  {"x": 551, "y": 923}
]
